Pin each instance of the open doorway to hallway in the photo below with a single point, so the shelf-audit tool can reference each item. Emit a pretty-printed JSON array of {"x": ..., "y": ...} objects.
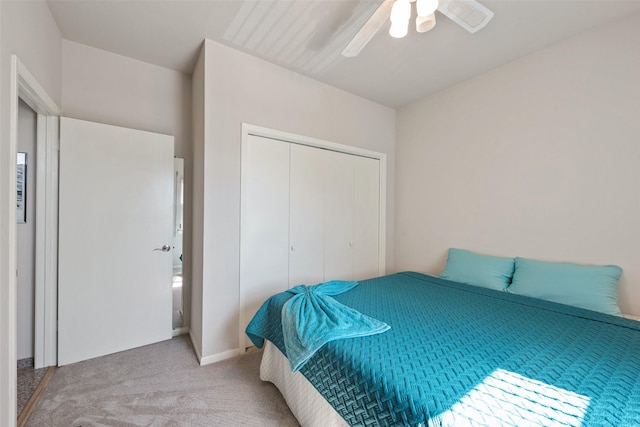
[
  {"x": 178, "y": 230},
  {"x": 28, "y": 377}
]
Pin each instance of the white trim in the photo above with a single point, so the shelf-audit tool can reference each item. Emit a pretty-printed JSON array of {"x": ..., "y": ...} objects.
[
  {"x": 213, "y": 358},
  {"x": 50, "y": 231},
  {"x": 39, "y": 270},
  {"x": 243, "y": 215},
  {"x": 8, "y": 347},
  {"x": 32, "y": 92},
  {"x": 24, "y": 85},
  {"x": 249, "y": 129},
  {"x": 382, "y": 233},
  {"x": 46, "y": 250},
  {"x": 220, "y": 357},
  {"x": 8, "y": 375}
]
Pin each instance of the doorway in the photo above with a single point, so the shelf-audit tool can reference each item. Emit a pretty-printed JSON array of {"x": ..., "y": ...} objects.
[
  {"x": 178, "y": 235},
  {"x": 28, "y": 377},
  {"x": 24, "y": 86}
]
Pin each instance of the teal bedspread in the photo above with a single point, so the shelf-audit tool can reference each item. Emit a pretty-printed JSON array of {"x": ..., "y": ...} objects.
[
  {"x": 312, "y": 318},
  {"x": 463, "y": 355}
]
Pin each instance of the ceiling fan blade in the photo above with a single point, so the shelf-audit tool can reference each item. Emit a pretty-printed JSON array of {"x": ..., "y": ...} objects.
[
  {"x": 368, "y": 30},
  {"x": 469, "y": 14}
]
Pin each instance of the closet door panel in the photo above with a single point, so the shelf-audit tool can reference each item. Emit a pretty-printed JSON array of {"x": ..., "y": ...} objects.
[
  {"x": 306, "y": 215},
  {"x": 366, "y": 203},
  {"x": 264, "y": 236},
  {"x": 338, "y": 216}
]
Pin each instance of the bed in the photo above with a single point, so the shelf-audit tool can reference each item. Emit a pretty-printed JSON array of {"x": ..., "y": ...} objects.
[{"x": 458, "y": 354}]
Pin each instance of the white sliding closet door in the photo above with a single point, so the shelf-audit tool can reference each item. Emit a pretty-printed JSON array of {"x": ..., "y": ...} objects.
[
  {"x": 306, "y": 215},
  {"x": 264, "y": 236},
  {"x": 309, "y": 214},
  {"x": 366, "y": 213},
  {"x": 338, "y": 215}
]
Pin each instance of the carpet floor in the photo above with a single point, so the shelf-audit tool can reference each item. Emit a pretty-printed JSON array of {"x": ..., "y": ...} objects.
[
  {"x": 28, "y": 380},
  {"x": 161, "y": 385}
]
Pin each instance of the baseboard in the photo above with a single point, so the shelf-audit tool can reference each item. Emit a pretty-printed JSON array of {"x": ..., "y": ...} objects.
[
  {"x": 207, "y": 360},
  {"x": 219, "y": 357},
  {"x": 181, "y": 331}
]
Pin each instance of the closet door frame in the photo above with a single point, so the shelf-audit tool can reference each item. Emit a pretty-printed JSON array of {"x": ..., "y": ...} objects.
[{"x": 250, "y": 129}]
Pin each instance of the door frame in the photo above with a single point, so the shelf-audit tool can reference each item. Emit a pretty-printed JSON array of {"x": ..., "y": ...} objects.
[
  {"x": 25, "y": 86},
  {"x": 249, "y": 129},
  {"x": 46, "y": 221}
]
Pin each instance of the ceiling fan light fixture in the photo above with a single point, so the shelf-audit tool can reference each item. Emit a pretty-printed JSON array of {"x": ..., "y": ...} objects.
[
  {"x": 425, "y": 23},
  {"x": 426, "y": 8},
  {"x": 400, "y": 15},
  {"x": 401, "y": 11},
  {"x": 399, "y": 29}
]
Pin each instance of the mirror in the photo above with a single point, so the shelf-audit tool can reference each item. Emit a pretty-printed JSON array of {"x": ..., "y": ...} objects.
[{"x": 178, "y": 228}]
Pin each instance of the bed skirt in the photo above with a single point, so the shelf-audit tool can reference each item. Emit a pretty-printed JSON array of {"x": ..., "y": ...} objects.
[{"x": 306, "y": 404}]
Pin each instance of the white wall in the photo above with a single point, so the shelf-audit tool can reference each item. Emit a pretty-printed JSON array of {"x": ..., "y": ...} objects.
[
  {"x": 538, "y": 158},
  {"x": 107, "y": 88},
  {"x": 240, "y": 88},
  {"x": 28, "y": 30},
  {"x": 25, "y": 234}
]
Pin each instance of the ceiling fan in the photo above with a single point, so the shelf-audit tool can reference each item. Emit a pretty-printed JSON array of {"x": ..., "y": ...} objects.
[{"x": 469, "y": 14}]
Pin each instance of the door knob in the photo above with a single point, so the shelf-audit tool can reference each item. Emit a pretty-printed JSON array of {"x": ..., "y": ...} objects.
[{"x": 164, "y": 248}]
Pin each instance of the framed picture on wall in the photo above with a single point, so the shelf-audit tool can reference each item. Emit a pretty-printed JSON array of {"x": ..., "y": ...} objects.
[{"x": 21, "y": 190}]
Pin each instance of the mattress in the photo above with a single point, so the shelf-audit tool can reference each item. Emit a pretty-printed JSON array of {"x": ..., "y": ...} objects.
[{"x": 463, "y": 355}]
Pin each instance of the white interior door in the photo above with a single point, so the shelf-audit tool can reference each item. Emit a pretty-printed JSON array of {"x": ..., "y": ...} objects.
[{"x": 116, "y": 206}]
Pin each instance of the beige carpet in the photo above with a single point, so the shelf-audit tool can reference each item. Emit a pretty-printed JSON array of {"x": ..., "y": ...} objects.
[{"x": 161, "y": 385}]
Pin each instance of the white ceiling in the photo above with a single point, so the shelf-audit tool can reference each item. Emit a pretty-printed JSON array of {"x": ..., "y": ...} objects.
[{"x": 308, "y": 35}]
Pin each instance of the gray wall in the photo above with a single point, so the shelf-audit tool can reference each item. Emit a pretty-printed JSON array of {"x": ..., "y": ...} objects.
[
  {"x": 241, "y": 88},
  {"x": 538, "y": 158}
]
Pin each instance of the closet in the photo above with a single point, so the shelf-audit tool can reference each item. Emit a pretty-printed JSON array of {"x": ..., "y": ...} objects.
[{"x": 309, "y": 214}]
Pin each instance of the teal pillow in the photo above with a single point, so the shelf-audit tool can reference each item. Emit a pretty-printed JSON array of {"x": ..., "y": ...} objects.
[
  {"x": 480, "y": 270},
  {"x": 593, "y": 287}
]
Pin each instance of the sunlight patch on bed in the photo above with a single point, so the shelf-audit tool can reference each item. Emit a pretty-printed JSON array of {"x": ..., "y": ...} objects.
[{"x": 508, "y": 399}]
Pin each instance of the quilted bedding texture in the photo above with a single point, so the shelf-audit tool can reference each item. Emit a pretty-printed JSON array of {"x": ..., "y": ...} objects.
[{"x": 463, "y": 355}]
